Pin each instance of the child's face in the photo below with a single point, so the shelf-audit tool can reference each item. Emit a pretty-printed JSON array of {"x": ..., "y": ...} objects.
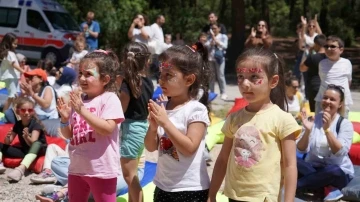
[
  {"x": 253, "y": 82},
  {"x": 90, "y": 79},
  {"x": 172, "y": 81},
  {"x": 15, "y": 44},
  {"x": 80, "y": 46},
  {"x": 333, "y": 50},
  {"x": 26, "y": 111},
  {"x": 203, "y": 39}
]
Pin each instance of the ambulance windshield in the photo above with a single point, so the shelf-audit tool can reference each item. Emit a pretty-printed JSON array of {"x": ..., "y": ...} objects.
[{"x": 62, "y": 21}]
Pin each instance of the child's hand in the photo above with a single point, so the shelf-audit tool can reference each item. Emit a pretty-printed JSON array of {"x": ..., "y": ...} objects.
[
  {"x": 158, "y": 113},
  {"x": 162, "y": 98},
  {"x": 152, "y": 123},
  {"x": 26, "y": 132},
  {"x": 76, "y": 101},
  {"x": 64, "y": 110}
]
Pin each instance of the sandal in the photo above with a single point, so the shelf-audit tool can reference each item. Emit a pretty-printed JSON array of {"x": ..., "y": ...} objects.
[{"x": 15, "y": 175}]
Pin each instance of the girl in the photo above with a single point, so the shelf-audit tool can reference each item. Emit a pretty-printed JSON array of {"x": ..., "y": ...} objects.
[
  {"x": 136, "y": 91},
  {"x": 259, "y": 146},
  {"x": 78, "y": 54},
  {"x": 91, "y": 123},
  {"x": 178, "y": 128},
  {"x": 9, "y": 67},
  {"x": 31, "y": 135},
  {"x": 48, "y": 66},
  {"x": 22, "y": 63}
]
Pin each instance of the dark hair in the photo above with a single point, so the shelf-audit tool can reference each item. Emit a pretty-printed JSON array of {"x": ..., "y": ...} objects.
[
  {"x": 336, "y": 39},
  {"x": 272, "y": 65},
  {"x": 289, "y": 78},
  {"x": 47, "y": 65},
  {"x": 339, "y": 89},
  {"x": 212, "y": 12},
  {"x": 6, "y": 45},
  {"x": 320, "y": 40},
  {"x": 159, "y": 16},
  {"x": 134, "y": 59},
  {"x": 202, "y": 34},
  {"x": 191, "y": 60},
  {"x": 266, "y": 26},
  {"x": 146, "y": 19},
  {"x": 24, "y": 100},
  {"x": 107, "y": 63}
]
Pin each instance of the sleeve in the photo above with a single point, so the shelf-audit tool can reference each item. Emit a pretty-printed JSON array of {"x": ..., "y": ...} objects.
[
  {"x": 199, "y": 113},
  {"x": 11, "y": 57},
  {"x": 345, "y": 137},
  {"x": 149, "y": 32},
  {"x": 125, "y": 88},
  {"x": 349, "y": 73},
  {"x": 112, "y": 109},
  {"x": 288, "y": 125},
  {"x": 36, "y": 126},
  {"x": 224, "y": 42},
  {"x": 97, "y": 28},
  {"x": 228, "y": 128}
]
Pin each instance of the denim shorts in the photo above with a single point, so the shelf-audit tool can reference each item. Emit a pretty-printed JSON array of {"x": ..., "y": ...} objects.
[{"x": 132, "y": 138}]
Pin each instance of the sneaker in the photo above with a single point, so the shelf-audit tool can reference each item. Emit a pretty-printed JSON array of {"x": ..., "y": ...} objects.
[
  {"x": 334, "y": 195},
  {"x": 2, "y": 168},
  {"x": 15, "y": 175},
  {"x": 224, "y": 96},
  {"x": 49, "y": 189},
  {"x": 45, "y": 177}
]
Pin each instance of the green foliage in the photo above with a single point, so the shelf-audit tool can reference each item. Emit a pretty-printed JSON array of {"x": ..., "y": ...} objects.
[{"x": 279, "y": 20}]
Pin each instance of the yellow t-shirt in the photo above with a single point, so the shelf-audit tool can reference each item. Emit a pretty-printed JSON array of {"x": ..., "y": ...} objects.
[{"x": 254, "y": 167}]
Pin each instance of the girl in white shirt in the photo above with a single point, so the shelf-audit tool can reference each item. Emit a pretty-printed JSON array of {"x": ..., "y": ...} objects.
[
  {"x": 177, "y": 129},
  {"x": 9, "y": 67},
  {"x": 78, "y": 54}
]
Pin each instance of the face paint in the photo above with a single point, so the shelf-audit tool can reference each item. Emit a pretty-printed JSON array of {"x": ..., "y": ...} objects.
[
  {"x": 249, "y": 70},
  {"x": 258, "y": 82},
  {"x": 165, "y": 66},
  {"x": 94, "y": 72}
]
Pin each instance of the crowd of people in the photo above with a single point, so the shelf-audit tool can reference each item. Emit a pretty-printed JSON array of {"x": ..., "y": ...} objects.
[{"x": 102, "y": 105}]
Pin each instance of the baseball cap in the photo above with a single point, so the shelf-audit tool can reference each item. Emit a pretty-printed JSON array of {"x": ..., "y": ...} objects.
[{"x": 37, "y": 72}]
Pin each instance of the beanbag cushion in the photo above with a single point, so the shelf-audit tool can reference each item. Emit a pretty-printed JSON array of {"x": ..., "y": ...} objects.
[
  {"x": 352, "y": 190},
  {"x": 354, "y": 153},
  {"x": 356, "y": 126},
  {"x": 356, "y": 138},
  {"x": 354, "y": 116},
  {"x": 214, "y": 135},
  {"x": 37, "y": 165},
  {"x": 239, "y": 104}
]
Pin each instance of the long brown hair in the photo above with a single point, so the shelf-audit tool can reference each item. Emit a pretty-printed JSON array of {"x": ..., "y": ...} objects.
[{"x": 6, "y": 45}]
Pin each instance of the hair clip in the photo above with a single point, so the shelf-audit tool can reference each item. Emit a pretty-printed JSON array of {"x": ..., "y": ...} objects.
[
  {"x": 101, "y": 51},
  {"x": 165, "y": 65},
  {"x": 131, "y": 54},
  {"x": 192, "y": 48}
]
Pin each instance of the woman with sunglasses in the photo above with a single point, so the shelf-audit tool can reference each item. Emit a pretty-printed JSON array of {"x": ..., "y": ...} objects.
[
  {"x": 259, "y": 37},
  {"x": 326, "y": 142},
  {"x": 32, "y": 139},
  {"x": 293, "y": 96},
  {"x": 309, "y": 32}
]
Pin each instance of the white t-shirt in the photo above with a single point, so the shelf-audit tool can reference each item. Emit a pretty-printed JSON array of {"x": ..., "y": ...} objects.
[
  {"x": 293, "y": 105},
  {"x": 77, "y": 56},
  {"x": 158, "y": 36},
  {"x": 139, "y": 38},
  {"x": 7, "y": 71},
  {"x": 309, "y": 40},
  {"x": 51, "y": 80},
  {"x": 176, "y": 172},
  {"x": 337, "y": 73},
  {"x": 63, "y": 91}
]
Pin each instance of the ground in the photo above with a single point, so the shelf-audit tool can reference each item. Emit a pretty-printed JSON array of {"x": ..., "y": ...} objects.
[{"x": 24, "y": 191}]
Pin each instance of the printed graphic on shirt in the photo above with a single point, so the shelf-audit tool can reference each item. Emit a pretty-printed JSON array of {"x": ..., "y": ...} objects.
[
  {"x": 82, "y": 132},
  {"x": 167, "y": 147},
  {"x": 248, "y": 146}
]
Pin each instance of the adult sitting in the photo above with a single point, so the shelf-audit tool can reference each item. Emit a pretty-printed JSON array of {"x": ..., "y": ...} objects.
[
  {"x": 326, "y": 141},
  {"x": 293, "y": 96},
  {"x": 65, "y": 77},
  {"x": 259, "y": 37}
]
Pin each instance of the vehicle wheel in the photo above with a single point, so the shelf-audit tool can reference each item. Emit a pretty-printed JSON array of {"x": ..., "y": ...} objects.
[{"x": 52, "y": 55}]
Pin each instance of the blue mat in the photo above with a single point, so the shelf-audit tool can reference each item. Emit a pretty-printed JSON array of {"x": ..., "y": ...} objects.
[
  {"x": 158, "y": 92},
  {"x": 4, "y": 91},
  {"x": 149, "y": 174}
]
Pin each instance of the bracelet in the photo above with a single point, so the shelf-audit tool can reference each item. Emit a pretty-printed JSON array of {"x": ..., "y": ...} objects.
[
  {"x": 327, "y": 130},
  {"x": 63, "y": 125}
]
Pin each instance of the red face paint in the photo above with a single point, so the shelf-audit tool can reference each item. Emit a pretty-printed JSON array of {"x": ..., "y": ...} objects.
[
  {"x": 249, "y": 70},
  {"x": 165, "y": 65},
  {"x": 258, "y": 82}
]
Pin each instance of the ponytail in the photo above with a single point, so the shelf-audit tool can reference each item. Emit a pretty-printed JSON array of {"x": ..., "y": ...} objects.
[
  {"x": 132, "y": 76},
  {"x": 277, "y": 94}
]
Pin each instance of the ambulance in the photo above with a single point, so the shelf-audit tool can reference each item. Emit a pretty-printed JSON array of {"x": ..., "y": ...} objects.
[{"x": 45, "y": 30}]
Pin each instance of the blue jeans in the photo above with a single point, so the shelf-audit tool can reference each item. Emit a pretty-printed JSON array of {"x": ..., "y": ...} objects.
[
  {"x": 60, "y": 166},
  {"x": 218, "y": 70},
  {"x": 319, "y": 177},
  {"x": 10, "y": 116}
]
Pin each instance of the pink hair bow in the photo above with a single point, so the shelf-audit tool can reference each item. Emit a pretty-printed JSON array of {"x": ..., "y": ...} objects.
[{"x": 101, "y": 51}]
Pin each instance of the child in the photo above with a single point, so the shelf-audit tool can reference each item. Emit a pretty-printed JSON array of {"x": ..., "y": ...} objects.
[
  {"x": 177, "y": 129},
  {"x": 31, "y": 135},
  {"x": 259, "y": 153},
  {"x": 136, "y": 91},
  {"x": 9, "y": 67},
  {"x": 22, "y": 63},
  {"x": 48, "y": 66},
  {"x": 334, "y": 70},
  {"x": 78, "y": 54},
  {"x": 91, "y": 122}
]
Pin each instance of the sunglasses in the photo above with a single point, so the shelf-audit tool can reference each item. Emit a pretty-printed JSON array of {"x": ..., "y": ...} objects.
[
  {"x": 261, "y": 25},
  {"x": 330, "y": 46},
  {"x": 311, "y": 26},
  {"x": 295, "y": 87},
  {"x": 26, "y": 110}
]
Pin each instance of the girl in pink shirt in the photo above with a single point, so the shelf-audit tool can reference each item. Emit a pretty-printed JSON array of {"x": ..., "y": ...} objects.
[{"x": 91, "y": 122}]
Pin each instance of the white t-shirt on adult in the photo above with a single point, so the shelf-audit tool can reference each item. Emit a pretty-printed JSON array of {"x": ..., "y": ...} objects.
[
  {"x": 176, "y": 172},
  {"x": 158, "y": 36},
  {"x": 337, "y": 73},
  {"x": 309, "y": 40},
  {"x": 63, "y": 91},
  {"x": 7, "y": 71},
  {"x": 139, "y": 38}
]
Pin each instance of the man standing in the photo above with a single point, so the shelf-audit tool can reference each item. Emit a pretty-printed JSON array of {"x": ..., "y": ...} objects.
[
  {"x": 213, "y": 20},
  {"x": 158, "y": 38},
  {"x": 91, "y": 30}
]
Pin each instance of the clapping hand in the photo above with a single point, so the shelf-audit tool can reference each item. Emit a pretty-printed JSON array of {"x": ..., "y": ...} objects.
[
  {"x": 26, "y": 133},
  {"x": 76, "y": 101},
  {"x": 305, "y": 121},
  {"x": 27, "y": 88},
  {"x": 326, "y": 120},
  {"x": 253, "y": 32},
  {"x": 158, "y": 113},
  {"x": 64, "y": 110}
]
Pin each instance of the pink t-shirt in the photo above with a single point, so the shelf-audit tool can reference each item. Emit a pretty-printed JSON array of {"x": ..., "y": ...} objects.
[{"x": 92, "y": 154}]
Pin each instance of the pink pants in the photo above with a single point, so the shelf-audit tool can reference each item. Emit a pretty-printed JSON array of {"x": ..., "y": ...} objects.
[{"x": 103, "y": 190}]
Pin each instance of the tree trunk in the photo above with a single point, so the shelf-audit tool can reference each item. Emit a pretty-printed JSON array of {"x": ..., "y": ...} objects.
[
  {"x": 237, "y": 40},
  {"x": 223, "y": 8},
  {"x": 265, "y": 12},
  {"x": 323, "y": 16},
  {"x": 254, "y": 4},
  {"x": 306, "y": 9}
]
